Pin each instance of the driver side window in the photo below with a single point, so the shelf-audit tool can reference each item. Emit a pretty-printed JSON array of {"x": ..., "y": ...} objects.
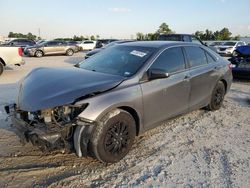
[{"x": 171, "y": 60}]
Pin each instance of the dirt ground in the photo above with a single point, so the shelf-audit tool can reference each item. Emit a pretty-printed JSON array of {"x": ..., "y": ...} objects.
[{"x": 198, "y": 149}]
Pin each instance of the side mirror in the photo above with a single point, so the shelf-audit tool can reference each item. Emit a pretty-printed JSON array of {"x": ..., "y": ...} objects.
[
  {"x": 77, "y": 65},
  {"x": 157, "y": 74}
]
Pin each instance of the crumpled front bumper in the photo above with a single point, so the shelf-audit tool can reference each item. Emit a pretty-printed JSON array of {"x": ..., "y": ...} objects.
[
  {"x": 49, "y": 137},
  {"x": 38, "y": 134}
]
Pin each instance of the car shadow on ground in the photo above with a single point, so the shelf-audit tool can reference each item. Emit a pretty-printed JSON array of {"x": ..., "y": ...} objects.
[{"x": 74, "y": 60}]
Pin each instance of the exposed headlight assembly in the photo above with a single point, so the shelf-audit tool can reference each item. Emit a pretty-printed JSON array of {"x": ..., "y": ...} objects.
[{"x": 62, "y": 115}]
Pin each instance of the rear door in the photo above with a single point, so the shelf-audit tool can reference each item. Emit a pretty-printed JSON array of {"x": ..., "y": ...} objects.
[
  {"x": 204, "y": 74},
  {"x": 167, "y": 97}
]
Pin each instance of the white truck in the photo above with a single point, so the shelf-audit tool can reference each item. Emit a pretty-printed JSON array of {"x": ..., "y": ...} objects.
[{"x": 10, "y": 56}]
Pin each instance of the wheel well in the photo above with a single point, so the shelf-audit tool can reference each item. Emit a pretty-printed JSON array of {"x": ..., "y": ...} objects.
[
  {"x": 2, "y": 61},
  {"x": 135, "y": 116},
  {"x": 40, "y": 51},
  {"x": 225, "y": 83}
]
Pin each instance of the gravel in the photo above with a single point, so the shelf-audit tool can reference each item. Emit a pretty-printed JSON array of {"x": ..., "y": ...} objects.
[{"x": 198, "y": 149}]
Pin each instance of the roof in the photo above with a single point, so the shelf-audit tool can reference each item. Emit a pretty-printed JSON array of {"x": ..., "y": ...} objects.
[{"x": 157, "y": 44}]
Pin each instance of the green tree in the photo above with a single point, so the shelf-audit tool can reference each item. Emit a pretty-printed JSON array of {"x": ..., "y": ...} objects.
[
  {"x": 208, "y": 35},
  {"x": 237, "y": 37},
  {"x": 140, "y": 36},
  {"x": 92, "y": 37},
  {"x": 199, "y": 34},
  {"x": 164, "y": 29},
  {"x": 225, "y": 34}
]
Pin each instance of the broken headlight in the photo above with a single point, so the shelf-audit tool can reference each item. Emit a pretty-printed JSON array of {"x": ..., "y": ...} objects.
[{"x": 63, "y": 114}]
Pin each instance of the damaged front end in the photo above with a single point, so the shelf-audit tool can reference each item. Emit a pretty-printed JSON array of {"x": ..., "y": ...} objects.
[{"x": 48, "y": 129}]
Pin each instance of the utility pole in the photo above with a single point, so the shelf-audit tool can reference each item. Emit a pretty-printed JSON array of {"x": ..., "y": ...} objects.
[{"x": 39, "y": 33}]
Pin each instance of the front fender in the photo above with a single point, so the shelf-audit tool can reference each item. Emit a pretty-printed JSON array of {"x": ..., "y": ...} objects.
[{"x": 101, "y": 104}]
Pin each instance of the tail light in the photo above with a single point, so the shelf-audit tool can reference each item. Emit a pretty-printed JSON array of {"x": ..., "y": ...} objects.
[
  {"x": 20, "y": 51},
  {"x": 230, "y": 66}
]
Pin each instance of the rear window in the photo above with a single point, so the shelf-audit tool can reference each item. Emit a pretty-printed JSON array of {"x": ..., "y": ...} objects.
[
  {"x": 196, "y": 56},
  {"x": 210, "y": 59}
]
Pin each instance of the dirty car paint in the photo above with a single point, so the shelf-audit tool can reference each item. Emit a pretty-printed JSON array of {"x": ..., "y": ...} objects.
[{"x": 45, "y": 88}]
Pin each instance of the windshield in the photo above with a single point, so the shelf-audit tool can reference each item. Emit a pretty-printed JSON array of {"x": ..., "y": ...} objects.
[
  {"x": 229, "y": 43},
  {"x": 119, "y": 60}
]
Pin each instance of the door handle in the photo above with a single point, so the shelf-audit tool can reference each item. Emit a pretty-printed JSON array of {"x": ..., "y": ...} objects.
[
  {"x": 187, "y": 77},
  {"x": 217, "y": 67}
]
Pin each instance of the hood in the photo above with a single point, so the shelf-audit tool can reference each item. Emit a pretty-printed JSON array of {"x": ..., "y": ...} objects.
[{"x": 45, "y": 88}]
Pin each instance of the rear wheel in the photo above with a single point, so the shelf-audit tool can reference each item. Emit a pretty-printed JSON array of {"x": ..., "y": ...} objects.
[
  {"x": 113, "y": 137},
  {"x": 38, "y": 53},
  {"x": 69, "y": 52},
  {"x": 1, "y": 67},
  {"x": 217, "y": 97}
]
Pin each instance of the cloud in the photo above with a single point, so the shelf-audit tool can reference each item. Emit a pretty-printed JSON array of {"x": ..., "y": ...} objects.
[{"x": 122, "y": 10}]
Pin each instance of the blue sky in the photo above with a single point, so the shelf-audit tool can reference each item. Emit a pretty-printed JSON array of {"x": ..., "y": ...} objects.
[{"x": 121, "y": 18}]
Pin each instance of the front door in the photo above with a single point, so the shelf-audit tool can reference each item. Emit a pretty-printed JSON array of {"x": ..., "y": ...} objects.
[{"x": 167, "y": 97}]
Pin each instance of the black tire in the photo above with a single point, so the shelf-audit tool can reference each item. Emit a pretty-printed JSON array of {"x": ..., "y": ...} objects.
[
  {"x": 38, "y": 53},
  {"x": 217, "y": 97},
  {"x": 234, "y": 54},
  {"x": 1, "y": 68},
  {"x": 114, "y": 136},
  {"x": 69, "y": 52}
]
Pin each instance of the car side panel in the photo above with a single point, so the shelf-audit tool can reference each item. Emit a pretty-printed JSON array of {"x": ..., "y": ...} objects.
[
  {"x": 203, "y": 80},
  {"x": 165, "y": 98}
]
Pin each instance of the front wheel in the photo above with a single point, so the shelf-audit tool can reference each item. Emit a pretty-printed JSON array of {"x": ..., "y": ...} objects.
[
  {"x": 217, "y": 97},
  {"x": 234, "y": 54},
  {"x": 114, "y": 136},
  {"x": 38, "y": 53}
]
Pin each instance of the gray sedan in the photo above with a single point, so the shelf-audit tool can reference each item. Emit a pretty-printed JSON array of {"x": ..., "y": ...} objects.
[{"x": 116, "y": 95}]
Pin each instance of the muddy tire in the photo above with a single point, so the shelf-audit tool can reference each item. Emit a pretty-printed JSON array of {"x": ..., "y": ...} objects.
[
  {"x": 1, "y": 68},
  {"x": 217, "y": 97},
  {"x": 114, "y": 136},
  {"x": 38, "y": 53},
  {"x": 69, "y": 52}
]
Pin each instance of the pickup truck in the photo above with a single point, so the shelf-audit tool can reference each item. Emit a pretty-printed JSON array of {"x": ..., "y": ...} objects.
[
  {"x": 184, "y": 38},
  {"x": 10, "y": 56}
]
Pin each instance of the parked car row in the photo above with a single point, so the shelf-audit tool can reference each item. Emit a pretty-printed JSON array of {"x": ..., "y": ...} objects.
[
  {"x": 10, "y": 56},
  {"x": 241, "y": 62},
  {"x": 50, "y": 48},
  {"x": 227, "y": 48}
]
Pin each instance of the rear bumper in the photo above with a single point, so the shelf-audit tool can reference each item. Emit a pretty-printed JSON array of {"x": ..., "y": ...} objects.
[{"x": 241, "y": 73}]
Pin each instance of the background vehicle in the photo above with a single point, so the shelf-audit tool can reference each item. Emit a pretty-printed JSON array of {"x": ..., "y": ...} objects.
[
  {"x": 87, "y": 45},
  {"x": 117, "y": 94},
  {"x": 50, "y": 48},
  {"x": 241, "y": 62},
  {"x": 74, "y": 43},
  {"x": 94, "y": 51},
  {"x": 10, "y": 56},
  {"x": 216, "y": 44},
  {"x": 183, "y": 38},
  {"x": 102, "y": 42},
  {"x": 229, "y": 47},
  {"x": 20, "y": 43}
]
